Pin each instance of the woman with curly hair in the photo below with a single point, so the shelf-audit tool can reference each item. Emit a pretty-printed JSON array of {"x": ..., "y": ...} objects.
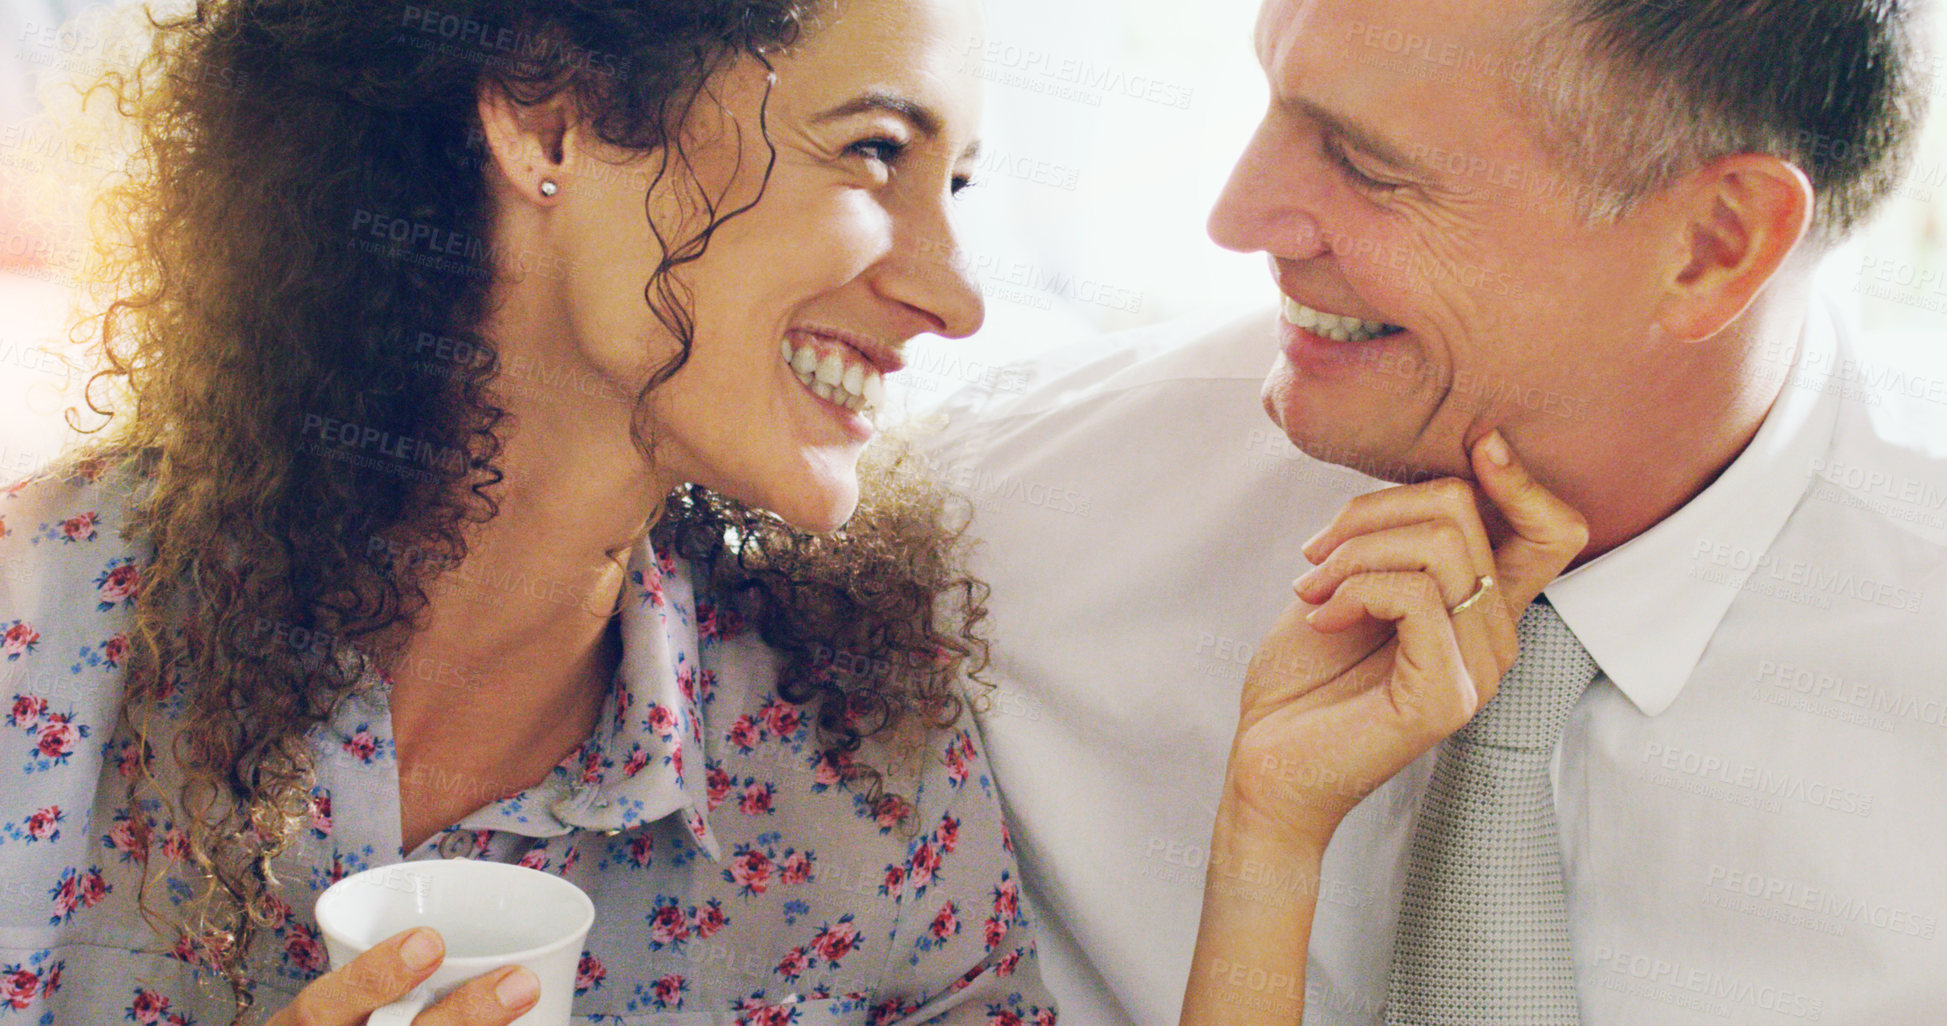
[{"x": 489, "y": 381}]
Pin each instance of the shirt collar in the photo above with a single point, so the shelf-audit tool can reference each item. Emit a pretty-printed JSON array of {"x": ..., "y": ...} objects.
[
  {"x": 645, "y": 759},
  {"x": 1646, "y": 609}
]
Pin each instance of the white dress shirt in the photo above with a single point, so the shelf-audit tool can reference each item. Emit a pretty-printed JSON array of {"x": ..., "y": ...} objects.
[{"x": 1752, "y": 795}]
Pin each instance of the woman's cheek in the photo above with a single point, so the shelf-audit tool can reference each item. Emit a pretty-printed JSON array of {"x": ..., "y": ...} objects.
[{"x": 856, "y": 232}]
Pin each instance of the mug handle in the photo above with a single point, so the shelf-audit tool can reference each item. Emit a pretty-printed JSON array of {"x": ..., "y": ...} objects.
[{"x": 402, "y": 1011}]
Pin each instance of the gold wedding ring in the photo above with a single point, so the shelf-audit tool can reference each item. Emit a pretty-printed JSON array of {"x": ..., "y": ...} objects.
[{"x": 1480, "y": 592}]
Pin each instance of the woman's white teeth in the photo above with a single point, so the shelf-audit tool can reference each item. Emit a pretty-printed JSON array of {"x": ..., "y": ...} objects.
[
  {"x": 832, "y": 370},
  {"x": 1333, "y": 326},
  {"x": 804, "y": 364},
  {"x": 840, "y": 379}
]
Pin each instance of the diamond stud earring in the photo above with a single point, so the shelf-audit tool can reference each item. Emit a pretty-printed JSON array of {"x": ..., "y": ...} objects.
[{"x": 548, "y": 188}]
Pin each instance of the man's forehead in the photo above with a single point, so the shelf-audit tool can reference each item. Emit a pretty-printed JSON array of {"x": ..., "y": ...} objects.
[
  {"x": 1405, "y": 81},
  {"x": 1385, "y": 31}
]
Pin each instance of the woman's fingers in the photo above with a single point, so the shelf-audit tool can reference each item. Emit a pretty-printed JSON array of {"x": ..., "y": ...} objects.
[
  {"x": 1448, "y": 499},
  {"x": 390, "y": 970},
  {"x": 1547, "y": 532},
  {"x": 1439, "y": 547},
  {"x": 1433, "y": 527},
  {"x": 1476, "y": 633},
  {"x": 380, "y": 976},
  {"x": 492, "y": 999},
  {"x": 1432, "y": 689},
  {"x": 1305, "y": 760}
]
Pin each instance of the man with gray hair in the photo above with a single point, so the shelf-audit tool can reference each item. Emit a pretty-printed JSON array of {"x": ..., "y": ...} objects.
[{"x": 1591, "y": 226}]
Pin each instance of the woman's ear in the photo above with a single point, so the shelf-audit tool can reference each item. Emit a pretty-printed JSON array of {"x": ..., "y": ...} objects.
[
  {"x": 528, "y": 143},
  {"x": 1741, "y": 217}
]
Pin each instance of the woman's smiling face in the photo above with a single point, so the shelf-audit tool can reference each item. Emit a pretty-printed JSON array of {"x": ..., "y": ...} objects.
[{"x": 802, "y": 302}]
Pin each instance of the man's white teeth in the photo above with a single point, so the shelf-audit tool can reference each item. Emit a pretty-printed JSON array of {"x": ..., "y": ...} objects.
[
  {"x": 1333, "y": 326},
  {"x": 853, "y": 385}
]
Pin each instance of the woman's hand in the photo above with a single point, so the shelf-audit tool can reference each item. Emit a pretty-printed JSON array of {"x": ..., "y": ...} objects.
[
  {"x": 389, "y": 971},
  {"x": 1369, "y": 670},
  {"x": 1364, "y": 674}
]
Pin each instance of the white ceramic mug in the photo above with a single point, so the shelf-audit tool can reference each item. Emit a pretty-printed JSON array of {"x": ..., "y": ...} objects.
[{"x": 490, "y": 914}]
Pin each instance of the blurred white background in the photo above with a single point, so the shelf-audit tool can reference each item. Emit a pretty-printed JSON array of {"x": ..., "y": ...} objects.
[{"x": 1111, "y": 126}]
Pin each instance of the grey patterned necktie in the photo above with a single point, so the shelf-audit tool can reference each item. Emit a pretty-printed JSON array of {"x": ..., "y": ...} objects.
[{"x": 1483, "y": 924}]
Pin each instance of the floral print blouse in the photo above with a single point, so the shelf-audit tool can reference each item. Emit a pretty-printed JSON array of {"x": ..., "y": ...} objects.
[{"x": 737, "y": 877}]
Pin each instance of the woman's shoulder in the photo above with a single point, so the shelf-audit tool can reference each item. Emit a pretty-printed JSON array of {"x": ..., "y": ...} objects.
[
  {"x": 925, "y": 768},
  {"x": 68, "y": 582},
  {"x": 80, "y": 498},
  {"x": 65, "y": 554}
]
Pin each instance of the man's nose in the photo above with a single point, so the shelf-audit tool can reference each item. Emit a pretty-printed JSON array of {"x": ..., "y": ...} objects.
[{"x": 1267, "y": 206}]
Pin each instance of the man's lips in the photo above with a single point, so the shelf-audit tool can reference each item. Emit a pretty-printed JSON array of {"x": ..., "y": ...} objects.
[
  {"x": 1323, "y": 314},
  {"x": 1335, "y": 327}
]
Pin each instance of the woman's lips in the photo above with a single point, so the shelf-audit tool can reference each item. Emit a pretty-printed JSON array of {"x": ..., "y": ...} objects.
[
  {"x": 882, "y": 357},
  {"x": 843, "y": 381}
]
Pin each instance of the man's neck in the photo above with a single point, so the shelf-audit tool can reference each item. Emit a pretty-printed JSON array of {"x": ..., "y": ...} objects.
[{"x": 1679, "y": 445}]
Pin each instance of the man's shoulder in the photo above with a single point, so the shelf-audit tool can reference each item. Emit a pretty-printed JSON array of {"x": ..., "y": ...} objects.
[
  {"x": 1897, "y": 383},
  {"x": 1185, "y": 389},
  {"x": 1233, "y": 348},
  {"x": 1889, "y": 447},
  {"x": 1142, "y": 426}
]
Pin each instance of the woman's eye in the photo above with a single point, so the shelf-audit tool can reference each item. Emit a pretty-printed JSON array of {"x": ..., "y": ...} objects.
[
  {"x": 885, "y": 151},
  {"x": 961, "y": 183}
]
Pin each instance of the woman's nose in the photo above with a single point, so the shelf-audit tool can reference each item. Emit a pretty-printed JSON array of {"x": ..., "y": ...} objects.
[{"x": 931, "y": 275}]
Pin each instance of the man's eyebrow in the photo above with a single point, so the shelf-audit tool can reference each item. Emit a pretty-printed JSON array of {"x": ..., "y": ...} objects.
[
  {"x": 1358, "y": 135},
  {"x": 925, "y": 120}
]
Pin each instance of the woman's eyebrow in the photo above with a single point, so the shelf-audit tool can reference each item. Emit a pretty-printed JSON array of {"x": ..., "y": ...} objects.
[{"x": 924, "y": 119}]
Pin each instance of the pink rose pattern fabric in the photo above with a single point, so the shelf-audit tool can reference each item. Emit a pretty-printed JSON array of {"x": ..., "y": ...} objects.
[{"x": 738, "y": 877}]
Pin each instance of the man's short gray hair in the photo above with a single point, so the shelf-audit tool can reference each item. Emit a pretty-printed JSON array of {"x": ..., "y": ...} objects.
[{"x": 1634, "y": 94}]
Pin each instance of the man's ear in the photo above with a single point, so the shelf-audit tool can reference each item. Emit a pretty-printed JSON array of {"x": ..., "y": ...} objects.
[
  {"x": 1741, "y": 216},
  {"x": 528, "y": 144}
]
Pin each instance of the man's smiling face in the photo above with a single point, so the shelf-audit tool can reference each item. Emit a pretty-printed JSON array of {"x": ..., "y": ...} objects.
[{"x": 1439, "y": 275}]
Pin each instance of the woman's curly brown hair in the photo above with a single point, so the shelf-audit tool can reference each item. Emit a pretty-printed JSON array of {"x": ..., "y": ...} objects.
[{"x": 245, "y": 311}]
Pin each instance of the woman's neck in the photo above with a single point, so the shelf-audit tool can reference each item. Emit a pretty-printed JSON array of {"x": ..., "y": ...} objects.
[{"x": 510, "y": 661}]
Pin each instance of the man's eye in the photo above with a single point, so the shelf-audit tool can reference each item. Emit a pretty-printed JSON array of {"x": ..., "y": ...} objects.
[{"x": 1359, "y": 178}]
